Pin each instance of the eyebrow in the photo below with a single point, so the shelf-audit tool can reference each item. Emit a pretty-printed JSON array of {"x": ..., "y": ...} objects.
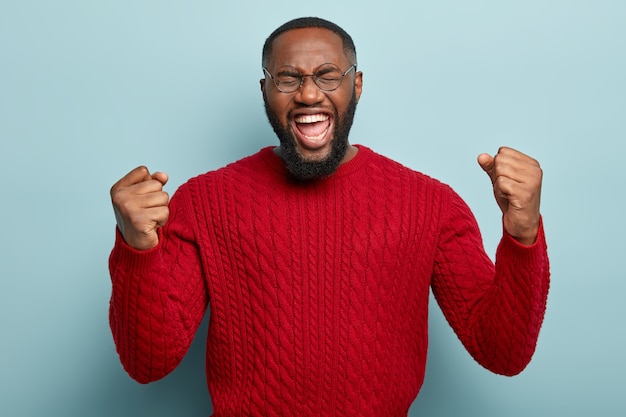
[
  {"x": 288, "y": 70},
  {"x": 326, "y": 70}
]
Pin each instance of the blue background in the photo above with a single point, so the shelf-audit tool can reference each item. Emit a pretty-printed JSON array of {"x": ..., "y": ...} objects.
[{"x": 89, "y": 90}]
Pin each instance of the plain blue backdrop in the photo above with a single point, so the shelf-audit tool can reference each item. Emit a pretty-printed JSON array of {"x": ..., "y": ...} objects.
[{"x": 90, "y": 89}]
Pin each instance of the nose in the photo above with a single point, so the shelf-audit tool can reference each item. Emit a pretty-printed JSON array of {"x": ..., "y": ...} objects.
[{"x": 309, "y": 93}]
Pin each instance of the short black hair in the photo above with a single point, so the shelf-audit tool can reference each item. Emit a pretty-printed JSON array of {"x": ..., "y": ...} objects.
[{"x": 310, "y": 22}]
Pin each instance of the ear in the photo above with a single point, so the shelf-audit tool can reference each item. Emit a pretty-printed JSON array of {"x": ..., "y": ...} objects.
[
  {"x": 262, "y": 82},
  {"x": 358, "y": 84}
]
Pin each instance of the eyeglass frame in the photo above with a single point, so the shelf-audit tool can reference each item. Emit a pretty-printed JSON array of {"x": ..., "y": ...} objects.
[{"x": 314, "y": 76}]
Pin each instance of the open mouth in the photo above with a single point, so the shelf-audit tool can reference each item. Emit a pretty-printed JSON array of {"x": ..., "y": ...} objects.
[{"x": 312, "y": 129}]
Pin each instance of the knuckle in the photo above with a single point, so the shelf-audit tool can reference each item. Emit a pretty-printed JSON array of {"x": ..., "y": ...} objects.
[
  {"x": 127, "y": 206},
  {"x": 117, "y": 198}
]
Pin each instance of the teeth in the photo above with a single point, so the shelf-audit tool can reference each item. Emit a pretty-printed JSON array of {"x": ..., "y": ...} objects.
[{"x": 312, "y": 118}]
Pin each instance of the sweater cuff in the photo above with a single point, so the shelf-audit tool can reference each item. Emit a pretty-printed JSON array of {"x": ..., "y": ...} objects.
[
  {"x": 131, "y": 259},
  {"x": 510, "y": 244}
]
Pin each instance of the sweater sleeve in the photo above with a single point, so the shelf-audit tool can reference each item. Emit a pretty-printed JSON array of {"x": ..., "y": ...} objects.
[
  {"x": 495, "y": 310},
  {"x": 158, "y": 297}
]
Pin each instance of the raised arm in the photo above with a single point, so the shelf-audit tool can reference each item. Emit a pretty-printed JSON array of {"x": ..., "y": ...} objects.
[
  {"x": 496, "y": 310},
  {"x": 158, "y": 294}
]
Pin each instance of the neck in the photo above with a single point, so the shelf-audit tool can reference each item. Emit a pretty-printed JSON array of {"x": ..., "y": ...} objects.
[{"x": 350, "y": 153}]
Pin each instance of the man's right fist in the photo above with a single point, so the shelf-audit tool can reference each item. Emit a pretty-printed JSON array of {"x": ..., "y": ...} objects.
[{"x": 140, "y": 206}]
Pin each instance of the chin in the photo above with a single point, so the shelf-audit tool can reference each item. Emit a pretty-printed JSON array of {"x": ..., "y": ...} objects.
[{"x": 318, "y": 155}]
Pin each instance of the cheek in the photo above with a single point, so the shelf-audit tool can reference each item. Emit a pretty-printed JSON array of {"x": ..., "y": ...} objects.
[
  {"x": 279, "y": 105},
  {"x": 341, "y": 101}
]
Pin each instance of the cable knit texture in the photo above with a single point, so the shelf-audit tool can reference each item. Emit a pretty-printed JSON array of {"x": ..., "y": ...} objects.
[{"x": 319, "y": 292}]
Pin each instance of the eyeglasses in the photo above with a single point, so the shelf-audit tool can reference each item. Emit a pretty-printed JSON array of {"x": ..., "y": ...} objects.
[{"x": 327, "y": 77}]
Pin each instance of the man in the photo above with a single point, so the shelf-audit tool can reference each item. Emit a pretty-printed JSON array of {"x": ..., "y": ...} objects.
[{"x": 316, "y": 257}]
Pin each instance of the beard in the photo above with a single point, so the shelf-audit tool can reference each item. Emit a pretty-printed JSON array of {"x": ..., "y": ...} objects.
[{"x": 307, "y": 170}]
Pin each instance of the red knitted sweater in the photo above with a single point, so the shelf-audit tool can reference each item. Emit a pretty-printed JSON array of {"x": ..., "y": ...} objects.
[{"x": 319, "y": 292}]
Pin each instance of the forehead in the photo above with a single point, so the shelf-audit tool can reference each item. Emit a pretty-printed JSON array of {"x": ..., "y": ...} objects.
[{"x": 307, "y": 49}]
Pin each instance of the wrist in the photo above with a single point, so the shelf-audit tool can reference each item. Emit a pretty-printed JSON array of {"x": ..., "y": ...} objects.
[{"x": 525, "y": 234}]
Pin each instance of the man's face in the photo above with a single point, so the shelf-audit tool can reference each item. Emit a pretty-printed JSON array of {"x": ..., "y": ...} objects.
[{"x": 312, "y": 124}]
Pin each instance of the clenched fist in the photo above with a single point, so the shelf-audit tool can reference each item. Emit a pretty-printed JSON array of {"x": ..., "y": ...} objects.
[
  {"x": 141, "y": 206},
  {"x": 516, "y": 180}
]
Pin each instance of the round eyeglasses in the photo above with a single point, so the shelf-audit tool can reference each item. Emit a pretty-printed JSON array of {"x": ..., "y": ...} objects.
[{"x": 327, "y": 77}]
